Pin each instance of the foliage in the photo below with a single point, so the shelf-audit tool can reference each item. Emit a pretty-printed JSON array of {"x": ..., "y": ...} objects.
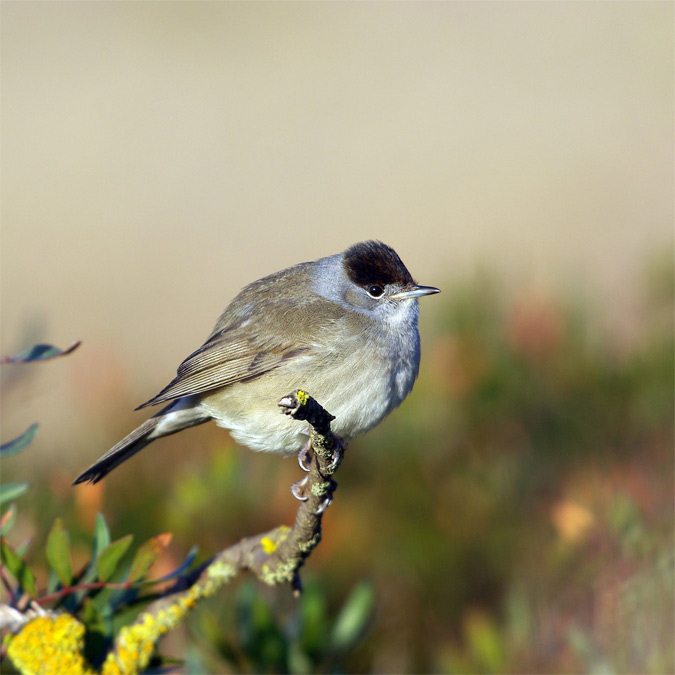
[
  {"x": 101, "y": 600},
  {"x": 515, "y": 515},
  {"x": 249, "y": 635},
  {"x": 110, "y": 587}
]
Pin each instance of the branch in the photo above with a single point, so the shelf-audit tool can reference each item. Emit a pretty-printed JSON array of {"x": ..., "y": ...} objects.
[{"x": 275, "y": 557}]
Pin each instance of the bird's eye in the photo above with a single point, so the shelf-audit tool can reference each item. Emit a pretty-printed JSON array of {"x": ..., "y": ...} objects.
[{"x": 375, "y": 291}]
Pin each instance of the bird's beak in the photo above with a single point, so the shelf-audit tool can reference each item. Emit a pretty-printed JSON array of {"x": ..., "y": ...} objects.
[{"x": 416, "y": 292}]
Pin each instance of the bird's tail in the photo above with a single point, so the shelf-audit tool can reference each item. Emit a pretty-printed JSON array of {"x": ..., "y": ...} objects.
[{"x": 175, "y": 417}]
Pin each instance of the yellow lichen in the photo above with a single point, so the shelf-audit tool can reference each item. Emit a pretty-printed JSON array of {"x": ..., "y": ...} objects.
[
  {"x": 313, "y": 542},
  {"x": 49, "y": 644},
  {"x": 135, "y": 644},
  {"x": 271, "y": 544},
  {"x": 302, "y": 397},
  {"x": 268, "y": 545},
  {"x": 53, "y": 643},
  {"x": 220, "y": 571},
  {"x": 282, "y": 573},
  {"x": 321, "y": 489}
]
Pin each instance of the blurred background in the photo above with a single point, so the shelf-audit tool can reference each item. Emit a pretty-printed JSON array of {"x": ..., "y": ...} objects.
[{"x": 516, "y": 514}]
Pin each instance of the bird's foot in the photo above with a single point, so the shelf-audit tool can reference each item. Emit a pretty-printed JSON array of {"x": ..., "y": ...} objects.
[
  {"x": 338, "y": 454},
  {"x": 324, "y": 505},
  {"x": 324, "y": 490},
  {"x": 304, "y": 458},
  {"x": 298, "y": 489}
]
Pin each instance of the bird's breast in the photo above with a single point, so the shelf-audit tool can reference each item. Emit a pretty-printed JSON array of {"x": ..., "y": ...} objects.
[{"x": 359, "y": 373}]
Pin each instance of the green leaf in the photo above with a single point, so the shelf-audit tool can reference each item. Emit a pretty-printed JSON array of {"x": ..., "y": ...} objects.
[
  {"x": 52, "y": 583},
  {"x": 194, "y": 661},
  {"x": 147, "y": 554},
  {"x": 101, "y": 535},
  {"x": 485, "y": 642},
  {"x": 109, "y": 558},
  {"x": 18, "y": 568},
  {"x": 353, "y": 618},
  {"x": 98, "y": 630},
  {"x": 22, "y": 549},
  {"x": 101, "y": 540},
  {"x": 315, "y": 626},
  {"x": 7, "y": 520},
  {"x": 39, "y": 353},
  {"x": 58, "y": 553},
  {"x": 18, "y": 444},
  {"x": 10, "y": 491}
]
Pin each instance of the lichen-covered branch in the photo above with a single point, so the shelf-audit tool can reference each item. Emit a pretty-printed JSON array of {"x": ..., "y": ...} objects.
[{"x": 275, "y": 557}]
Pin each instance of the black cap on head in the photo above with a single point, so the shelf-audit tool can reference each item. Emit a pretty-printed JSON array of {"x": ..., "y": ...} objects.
[{"x": 372, "y": 262}]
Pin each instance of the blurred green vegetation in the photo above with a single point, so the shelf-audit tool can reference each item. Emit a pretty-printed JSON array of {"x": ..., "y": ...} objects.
[{"x": 515, "y": 515}]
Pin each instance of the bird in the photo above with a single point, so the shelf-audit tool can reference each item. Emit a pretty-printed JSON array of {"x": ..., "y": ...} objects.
[{"x": 343, "y": 328}]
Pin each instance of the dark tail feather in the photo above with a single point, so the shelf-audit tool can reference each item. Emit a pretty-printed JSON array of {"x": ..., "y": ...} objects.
[{"x": 164, "y": 423}]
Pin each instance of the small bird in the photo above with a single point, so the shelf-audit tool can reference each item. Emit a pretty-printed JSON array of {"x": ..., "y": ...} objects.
[{"x": 343, "y": 328}]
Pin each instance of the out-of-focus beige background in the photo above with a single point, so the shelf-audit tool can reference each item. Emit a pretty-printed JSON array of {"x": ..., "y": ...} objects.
[
  {"x": 156, "y": 157},
  {"x": 516, "y": 513}
]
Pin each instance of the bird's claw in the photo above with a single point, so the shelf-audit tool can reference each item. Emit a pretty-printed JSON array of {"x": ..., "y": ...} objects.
[
  {"x": 338, "y": 454},
  {"x": 324, "y": 505},
  {"x": 298, "y": 489},
  {"x": 305, "y": 461},
  {"x": 304, "y": 458}
]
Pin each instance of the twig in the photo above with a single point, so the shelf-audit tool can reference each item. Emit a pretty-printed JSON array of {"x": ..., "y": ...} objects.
[
  {"x": 275, "y": 557},
  {"x": 89, "y": 586}
]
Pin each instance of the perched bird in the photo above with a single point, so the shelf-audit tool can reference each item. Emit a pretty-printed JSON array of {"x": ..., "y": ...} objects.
[{"x": 343, "y": 328}]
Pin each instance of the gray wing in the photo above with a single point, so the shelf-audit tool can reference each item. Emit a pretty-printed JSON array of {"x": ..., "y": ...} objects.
[
  {"x": 249, "y": 344},
  {"x": 225, "y": 358},
  {"x": 248, "y": 341}
]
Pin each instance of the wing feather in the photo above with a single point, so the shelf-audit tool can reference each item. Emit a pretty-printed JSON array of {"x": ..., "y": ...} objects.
[
  {"x": 218, "y": 366},
  {"x": 235, "y": 353}
]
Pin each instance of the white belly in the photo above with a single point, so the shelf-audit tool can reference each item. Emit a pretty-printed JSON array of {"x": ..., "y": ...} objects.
[{"x": 359, "y": 391}]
